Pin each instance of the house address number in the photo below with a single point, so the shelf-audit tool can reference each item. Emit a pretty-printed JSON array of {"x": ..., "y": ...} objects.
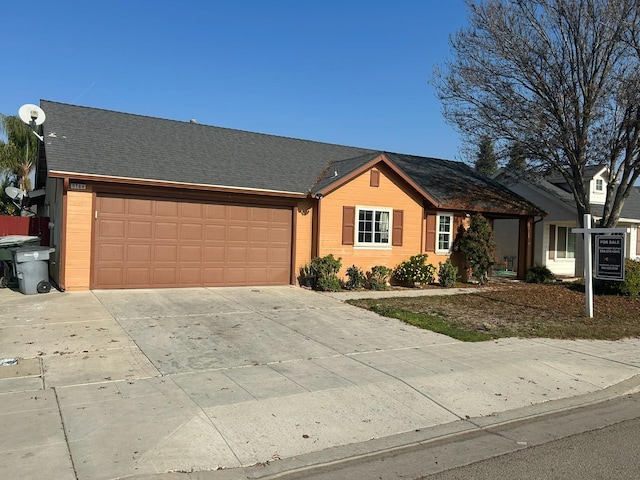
[{"x": 78, "y": 186}]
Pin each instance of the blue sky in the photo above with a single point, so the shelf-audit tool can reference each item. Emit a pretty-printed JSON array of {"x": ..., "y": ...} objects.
[{"x": 351, "y": 72}]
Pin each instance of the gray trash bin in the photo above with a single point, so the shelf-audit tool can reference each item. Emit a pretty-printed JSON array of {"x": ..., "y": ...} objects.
[{"x": 31, "y": 265}]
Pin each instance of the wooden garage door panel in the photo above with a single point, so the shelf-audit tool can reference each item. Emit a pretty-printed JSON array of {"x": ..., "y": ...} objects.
[{"x": 146, "y": 243}]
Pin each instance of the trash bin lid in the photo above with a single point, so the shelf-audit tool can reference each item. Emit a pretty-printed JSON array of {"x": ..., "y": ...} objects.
[{"x": 31, "y": 253}]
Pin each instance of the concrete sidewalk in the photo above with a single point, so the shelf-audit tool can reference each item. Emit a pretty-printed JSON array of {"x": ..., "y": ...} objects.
[{"x": 116, "y": 384}]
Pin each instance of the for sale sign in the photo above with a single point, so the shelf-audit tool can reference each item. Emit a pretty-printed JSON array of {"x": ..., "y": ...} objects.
[{"x": 610, "y": 257}]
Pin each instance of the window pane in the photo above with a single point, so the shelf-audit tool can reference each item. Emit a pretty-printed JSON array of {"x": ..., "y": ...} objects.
[
  {"x": 562, "y": 242},
  {"x": 445, "y": 223},
  {"x": 571, "y": 245},
  {"x": 443, "y": 241}
]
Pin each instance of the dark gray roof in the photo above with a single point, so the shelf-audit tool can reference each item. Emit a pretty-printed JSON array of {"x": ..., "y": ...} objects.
[
  {"x": 457, "y": 185},
  {"x": 92, "y": 141},
  {"x": 96, "y": 142},
  {"x": 630, "y": 209}
]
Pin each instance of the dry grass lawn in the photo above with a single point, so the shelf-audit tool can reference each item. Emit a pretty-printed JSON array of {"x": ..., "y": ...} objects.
[{"x": 515, "y": 309}]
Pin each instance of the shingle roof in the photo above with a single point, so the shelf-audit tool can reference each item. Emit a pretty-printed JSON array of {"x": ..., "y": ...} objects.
[
  {"x": 457, "y": 185},
  {"x": 92, "y": 141},
  {"x": 96, "y": 142},
  {"x": 630, "y": 209}
]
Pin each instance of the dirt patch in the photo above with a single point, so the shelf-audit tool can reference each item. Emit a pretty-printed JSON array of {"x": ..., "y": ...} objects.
[{"x": 529, "y": 310}]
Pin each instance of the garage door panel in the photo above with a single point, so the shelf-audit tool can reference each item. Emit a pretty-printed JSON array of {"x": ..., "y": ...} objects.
[
  {"x": 138, "y": 253},
  {"x": 238, "y": 233},
  {"x": 112, "y": 228},
  {"x": 165, "y": 276},
  {"x": 236, "y": 212},
  {"x": 190, "y": 253},
  {"x": 167, "y": 231},
  {"x": 214, "y": 254},
  {"x": 167, "y": 209},
  {"x": 111, "y": 276},
  {"x": 216, "y": 212},
  {"x": 192, "y": 231},
  {"x": 137, "y": 229},
  {"x": 192, "y": 210},
  {"x": 146, "y": 243},
  {"x": 165, "y": 253},
  {"x": 278, "y": 255},
  {"x": 215, "y": 233},
  {"x": 191, "y": 276},
  {"x": 111, "y": 252},
  {"x": 237, "y": 254},
  {"x": 138, "y": 276},
  {"x": 139, "y": 207},
  {"x": 113, "y": 205}
]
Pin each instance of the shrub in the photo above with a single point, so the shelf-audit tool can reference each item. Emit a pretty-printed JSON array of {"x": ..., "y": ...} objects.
[
  {"x": 447, "y": 273},
  {"x": 539, "y": 274},
  {"x": 478, "y": 247},
  {"x": 415, "y": 270},
  {"x": 326, "y": 270},
  {"x": 630, "y": 286},
  {"x": 378, "y": 277},
  {"x": 356, "y": 278}
]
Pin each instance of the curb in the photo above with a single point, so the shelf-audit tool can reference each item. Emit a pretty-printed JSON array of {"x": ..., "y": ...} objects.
[{"x": 397, "y": 444}]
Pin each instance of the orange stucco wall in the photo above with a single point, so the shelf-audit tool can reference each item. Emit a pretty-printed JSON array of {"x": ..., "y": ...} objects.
[
  {"x": 303, "y": 234},
  {"x": 392, "y": 193},
  {"x": 77, "y": 255}
]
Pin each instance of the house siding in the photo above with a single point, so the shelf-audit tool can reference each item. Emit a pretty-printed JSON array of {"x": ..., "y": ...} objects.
[
  {"x": 79, "y": 221},
  {"x": 391, "y": 193},
  {"x": 303, "y": 234}
]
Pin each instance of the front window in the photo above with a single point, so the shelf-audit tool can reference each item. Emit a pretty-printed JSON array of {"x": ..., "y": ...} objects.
[
  {"x": 566, "y": 243},
  {"x": 444, "y": 228},
  {"x": 374, "y": 225}
]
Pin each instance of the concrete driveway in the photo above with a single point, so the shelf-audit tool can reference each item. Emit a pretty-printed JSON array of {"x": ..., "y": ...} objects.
[{"x": 123, "y": 383}]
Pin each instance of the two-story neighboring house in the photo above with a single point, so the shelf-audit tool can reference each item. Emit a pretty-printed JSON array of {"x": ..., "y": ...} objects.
[{"x": 554, "y": 244}]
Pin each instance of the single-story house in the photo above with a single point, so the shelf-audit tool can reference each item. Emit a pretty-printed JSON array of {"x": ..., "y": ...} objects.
[
  {"x": 140, "y": 202},
  {"x": 555, "y": 245}
]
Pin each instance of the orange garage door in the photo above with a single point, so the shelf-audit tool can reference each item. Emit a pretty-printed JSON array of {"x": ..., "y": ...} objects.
[{"x": 147, "y": 243}]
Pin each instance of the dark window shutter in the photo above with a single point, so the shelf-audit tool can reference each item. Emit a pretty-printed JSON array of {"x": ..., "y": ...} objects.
[
  {"x": 374, "y": 179},
  {"x": 552, "y": 242},
  {"x": 348, "y": 225},
  {"x": 431, "y": 233},
  {"x": 398, "y": 219}
]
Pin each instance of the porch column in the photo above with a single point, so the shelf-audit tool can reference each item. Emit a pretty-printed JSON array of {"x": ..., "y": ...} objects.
[{"x": 525, "y": 246}]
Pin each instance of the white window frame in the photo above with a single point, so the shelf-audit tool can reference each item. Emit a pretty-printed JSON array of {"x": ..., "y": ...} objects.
[
  {"x": 450, "y": 233},
  {"x": 565, "y": 247},
  {"x": 373, "y": 245},
  {"x": 599, "y": 182}
]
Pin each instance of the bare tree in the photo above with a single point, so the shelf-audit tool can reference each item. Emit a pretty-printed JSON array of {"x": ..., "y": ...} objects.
[{"x": 559, "y": 78}]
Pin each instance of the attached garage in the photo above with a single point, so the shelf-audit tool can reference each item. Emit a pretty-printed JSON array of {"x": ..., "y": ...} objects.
[{"x": 146, "y": 242}]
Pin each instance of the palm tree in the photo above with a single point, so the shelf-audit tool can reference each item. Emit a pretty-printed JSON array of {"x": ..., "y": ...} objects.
[{"x": 18, "y": 155}]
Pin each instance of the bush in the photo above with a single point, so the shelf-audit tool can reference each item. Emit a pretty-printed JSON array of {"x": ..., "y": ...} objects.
[
  {"x": 356, "y": 278},
  {"x": 447, "y": 274},
  {"x": 378, "y": 277},
  {"x": 630, "y": 287},
  {"x": 631, "y": 284},
  {"x": 326, "y": 270},
  {"x": 478, "y": 247},
  {"x": 539, "y": 274},
  {"x": 415, "y": 270}
]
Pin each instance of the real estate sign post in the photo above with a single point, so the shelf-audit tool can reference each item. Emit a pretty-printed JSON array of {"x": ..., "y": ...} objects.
[{"x": 610, "y": 248}]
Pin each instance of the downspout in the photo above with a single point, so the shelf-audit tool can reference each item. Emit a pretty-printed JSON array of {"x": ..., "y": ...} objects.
[{"x": 63, "y": 235}]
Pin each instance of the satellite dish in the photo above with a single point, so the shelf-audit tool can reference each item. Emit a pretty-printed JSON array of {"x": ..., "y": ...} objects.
[
  {"x": 30, "y": 113},
  {"x": 14, "y": 193}
]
